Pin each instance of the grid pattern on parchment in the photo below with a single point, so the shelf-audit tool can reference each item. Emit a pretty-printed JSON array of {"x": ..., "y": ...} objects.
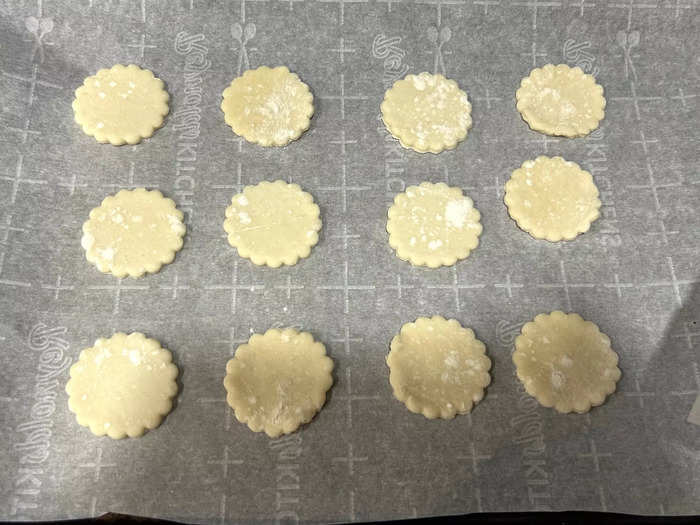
[{"x": 364, "y": 456}]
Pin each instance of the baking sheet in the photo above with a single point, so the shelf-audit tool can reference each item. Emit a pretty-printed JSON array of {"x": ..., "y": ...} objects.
[{"x": 365, "y": 456}]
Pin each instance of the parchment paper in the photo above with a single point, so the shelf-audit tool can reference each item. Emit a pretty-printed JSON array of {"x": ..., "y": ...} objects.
[{"x": 365, "y": 456}]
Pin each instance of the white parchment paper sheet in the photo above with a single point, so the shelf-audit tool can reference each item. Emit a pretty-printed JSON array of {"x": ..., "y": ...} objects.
[{"x": 365, "y": 456}]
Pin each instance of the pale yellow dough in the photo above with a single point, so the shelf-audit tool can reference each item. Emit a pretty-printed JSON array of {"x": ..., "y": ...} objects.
[
  {"x": 560, "y": 100},
  {"x": 133, "y": 232},
  {"x": 278, "y": 381},
  {"x": 122, "y": 386},
  {"x": 270, "y": 107},
  {"x": 433, "y": 225},
  {"x": 438, "y": 368},
  {"x": 565, "y": 362},
  {"x": 552, "y": 198},
  {"x": 273, "y": 223},
  {"x": 121, "y": 105},
  {"x": 427, "y": 113}
]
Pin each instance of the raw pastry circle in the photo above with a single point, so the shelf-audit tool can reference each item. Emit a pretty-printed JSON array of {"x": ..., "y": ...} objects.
[
  {"x": 552, "y": 198},
  {"x": 124, "y": 104},
  {"x": 433, "y": 225},
  {"x": 133, "y": 232},
  {"x": 560, "y": 100},
  {"x": 438, "y": 368},
  {"x": 427, "y": 112},
  {"x": 122, "y": 386},
  {"x": 273, "y": 223},
  {"x": 565, "y": 362},
  {"x": 278, "y": 381},
  {"x": 270, "y": 107}
]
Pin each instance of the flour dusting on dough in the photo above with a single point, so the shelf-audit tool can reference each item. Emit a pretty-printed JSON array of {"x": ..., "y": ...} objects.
[
  {"x": 558, "y": 379},
  {"x": 270, "y": 107},
  {"x": 133, "y": 232},
  {"x": 551, "y": 198},
  {"x": 285, "y": 383},
  {"x": 560, "y": 100},
  {"x": 107, "y": 253},
  {"x": 565, "y": 362},
  {"x": 275, "y": 223},
  {"x": 457, "y": 212},
  {"x": 112, "y": 112},
  {"x": 433, "y": 225},
  {"x": 452, "y": 360},
  {"x": 122, "y": 386},
  {"x": 430, "y": 367},
  {"x": 427, "y": 112}
]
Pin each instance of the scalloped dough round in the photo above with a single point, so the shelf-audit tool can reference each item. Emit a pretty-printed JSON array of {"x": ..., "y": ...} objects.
[
  {"x": 133, "y": 232},
  {"x": 552, "y": 198},
  {"x": 427, "y": 113},
  {"x": 273, "y": 223},
  {"x": 433, "y": 225},
  {"x": 278, "y": 381},
  {"x": 270, "y": 107},
  {"x": 121, "y": 105},
  {"x": 560, "y": 100},
  {"x": 122, "y": 386},
  {"x": 565, "y": 362},
  {"x": 438, "y": 368}
]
